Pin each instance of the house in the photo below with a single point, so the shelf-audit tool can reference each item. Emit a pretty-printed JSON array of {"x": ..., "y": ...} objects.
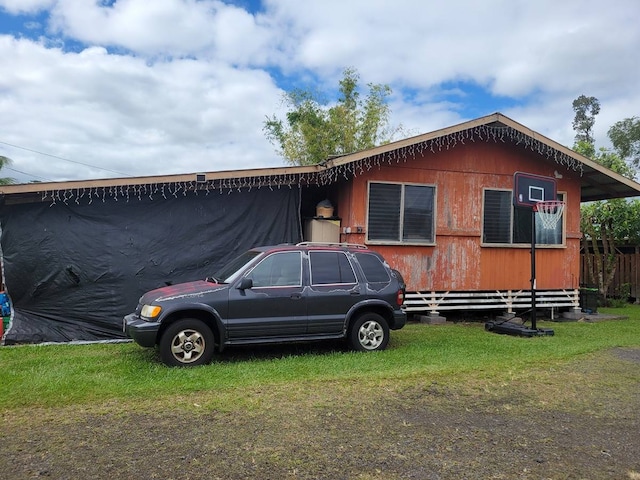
[
  {"x": 77, "y": 255},
  {"x": 476, "y": 250}
]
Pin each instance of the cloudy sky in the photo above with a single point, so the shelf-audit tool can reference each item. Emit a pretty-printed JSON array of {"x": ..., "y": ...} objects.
[{"x": 116, "y": 88}]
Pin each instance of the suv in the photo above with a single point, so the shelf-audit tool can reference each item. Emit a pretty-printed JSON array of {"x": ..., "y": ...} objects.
[{"x": 274, "y": 294}]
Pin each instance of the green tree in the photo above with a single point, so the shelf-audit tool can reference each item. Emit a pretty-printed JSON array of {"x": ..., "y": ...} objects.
[
  {"x": 5, "y": 162},
  {"x": 586, "y": 109},
  {"x": 604, "y": 224},
  {"x": 606, "y": 158},
  {"x": 313, "y": 132},
  {"x": 625, "y": 137}
]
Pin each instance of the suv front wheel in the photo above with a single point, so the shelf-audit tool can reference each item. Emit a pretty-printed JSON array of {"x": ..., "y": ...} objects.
[
  {"x": 369, "y": 332},
  {"x": 187, "y": 342}
]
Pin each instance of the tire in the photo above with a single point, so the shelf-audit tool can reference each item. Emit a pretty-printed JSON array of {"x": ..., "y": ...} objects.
[
  {"x": 369, "y": 332},
  {"x": 187, "y": 343}
]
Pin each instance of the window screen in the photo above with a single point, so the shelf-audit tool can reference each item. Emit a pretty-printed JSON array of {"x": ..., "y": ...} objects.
[
  {"x": 496, "y": 226},
  {"x": 506, "y": 224},
  {"x": 401, "y": 213},
  {"x": 384, "y": 211}
]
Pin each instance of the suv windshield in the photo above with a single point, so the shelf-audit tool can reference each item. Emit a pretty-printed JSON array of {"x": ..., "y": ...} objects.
[{"x": 228, "y": 273}]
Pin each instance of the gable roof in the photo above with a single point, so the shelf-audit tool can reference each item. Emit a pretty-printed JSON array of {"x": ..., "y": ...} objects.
[{"x": 597, "y": 182}]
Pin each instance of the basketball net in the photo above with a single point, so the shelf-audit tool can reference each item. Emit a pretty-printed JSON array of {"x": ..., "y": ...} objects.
[{"x": 549, "y": 213}]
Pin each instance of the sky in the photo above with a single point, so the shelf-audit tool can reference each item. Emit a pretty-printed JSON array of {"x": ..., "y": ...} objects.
[{"x": 116, "y": 88}]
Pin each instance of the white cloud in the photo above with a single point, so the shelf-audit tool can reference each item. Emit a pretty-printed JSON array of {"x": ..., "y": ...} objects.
[
  {"x": 158, "y": 27},
  {"x": 541, "y": 54},
  {"x": 26, "y": 6},
  {"x": 182, "y": 85},
  {"x": 123, "y": 114},
  {"x": 208, "y": 28}
]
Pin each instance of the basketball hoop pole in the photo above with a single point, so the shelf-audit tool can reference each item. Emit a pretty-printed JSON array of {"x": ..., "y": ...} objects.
[
  {"x": 533, "y": 268},
  {"x": 539, "y": 195}
]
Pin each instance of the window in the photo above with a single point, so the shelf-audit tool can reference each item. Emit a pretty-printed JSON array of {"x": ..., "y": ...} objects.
[
  {"x": 503, "y": 223},
  {"x": 330, "y": 268},
  {"x": 401, "y": 213},
  {"x": 230, "y": 271},
  {"x": 372, "y": 267},
  {"x": 278, "y": 270}
]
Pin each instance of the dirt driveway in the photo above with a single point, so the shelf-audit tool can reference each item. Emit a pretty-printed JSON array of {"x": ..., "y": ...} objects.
[{"x": 579, "y": 422}]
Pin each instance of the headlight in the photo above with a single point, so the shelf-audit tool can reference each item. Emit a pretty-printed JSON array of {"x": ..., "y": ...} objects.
[{"x": 150, "y": 311}]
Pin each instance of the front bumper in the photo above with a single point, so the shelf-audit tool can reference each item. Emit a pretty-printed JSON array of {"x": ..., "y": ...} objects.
[{"x": 142, "y": 332}]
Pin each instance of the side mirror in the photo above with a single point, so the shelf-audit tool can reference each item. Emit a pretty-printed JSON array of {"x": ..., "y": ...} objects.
[{"x": 245, "y": 283}]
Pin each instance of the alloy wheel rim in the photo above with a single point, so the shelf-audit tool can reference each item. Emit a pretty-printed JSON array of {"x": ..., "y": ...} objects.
[
  {"x": 188, "y": 346},
  {"x": 371, "y": 335}
]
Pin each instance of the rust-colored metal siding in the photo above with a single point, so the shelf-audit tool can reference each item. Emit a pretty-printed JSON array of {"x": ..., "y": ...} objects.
[{"x": 458, "y": 260}]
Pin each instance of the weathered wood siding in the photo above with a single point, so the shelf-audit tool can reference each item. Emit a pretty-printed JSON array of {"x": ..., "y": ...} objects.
[{"x": 458, "y": 261}]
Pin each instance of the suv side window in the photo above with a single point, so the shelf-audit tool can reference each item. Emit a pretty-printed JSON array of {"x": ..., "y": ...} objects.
[
  {"x": 372, "y": 267},
  {"x": 278, "y": 270},
  {"x": 330, "y": 268}
]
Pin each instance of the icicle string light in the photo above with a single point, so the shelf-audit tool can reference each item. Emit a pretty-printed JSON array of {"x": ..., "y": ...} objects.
[
  {"x": 327, "y": 176},
  {"x": 496, "y": 134}
]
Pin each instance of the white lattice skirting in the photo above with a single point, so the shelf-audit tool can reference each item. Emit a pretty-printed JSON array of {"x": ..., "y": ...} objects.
[{"x": 508, "y": 300}]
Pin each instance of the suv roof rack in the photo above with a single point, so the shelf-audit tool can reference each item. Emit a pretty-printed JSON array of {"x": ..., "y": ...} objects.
[{"x": 331, "y": 244}]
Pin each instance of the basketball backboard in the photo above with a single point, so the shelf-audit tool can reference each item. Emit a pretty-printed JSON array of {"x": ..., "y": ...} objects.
[{"x": 529, "y": 189}]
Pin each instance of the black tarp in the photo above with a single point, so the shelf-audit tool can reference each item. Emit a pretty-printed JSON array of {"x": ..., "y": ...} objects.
[{"x": 72, "y": 271}]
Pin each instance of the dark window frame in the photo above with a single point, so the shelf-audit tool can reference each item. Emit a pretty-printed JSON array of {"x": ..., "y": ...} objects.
[
  {"x": 519, "y": 228},
  {"x": 400, "y": 233}
]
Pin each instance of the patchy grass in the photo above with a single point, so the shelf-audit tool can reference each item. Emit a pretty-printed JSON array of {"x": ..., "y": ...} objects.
[
  {"x": 66, "y": 375},
  {"x": 450, "y": 401}
]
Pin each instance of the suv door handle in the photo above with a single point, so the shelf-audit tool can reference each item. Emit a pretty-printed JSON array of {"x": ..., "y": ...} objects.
[
  {"x": 355, "y": 292},
  {"x": 296, "y": 296}
]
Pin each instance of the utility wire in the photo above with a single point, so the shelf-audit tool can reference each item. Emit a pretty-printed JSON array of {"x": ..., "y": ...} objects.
[
  {"x": 27, "y": 174},
  {"x": 65, "y": 159}
]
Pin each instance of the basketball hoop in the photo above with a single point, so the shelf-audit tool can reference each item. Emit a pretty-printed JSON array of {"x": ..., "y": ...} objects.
[{"x": 549, "y": 213}]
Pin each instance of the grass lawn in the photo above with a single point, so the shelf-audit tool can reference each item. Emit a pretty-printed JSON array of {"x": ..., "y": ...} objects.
[{"x": 75, "y": 375}]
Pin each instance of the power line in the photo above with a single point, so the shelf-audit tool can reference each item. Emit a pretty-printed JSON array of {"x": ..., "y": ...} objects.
[
  {"x": 27, "y": 174},
  {"x": 64, "y": 159}
]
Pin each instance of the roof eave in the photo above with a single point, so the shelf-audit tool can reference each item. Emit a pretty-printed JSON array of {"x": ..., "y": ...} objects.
[
  {"x": 166, "y": 179},
  {"x": 597, "y": 181},
  {"x": 604, "y": 184}
]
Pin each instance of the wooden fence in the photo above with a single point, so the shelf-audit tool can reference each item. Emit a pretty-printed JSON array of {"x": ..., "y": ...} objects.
[{"x": 626, "y": 279}]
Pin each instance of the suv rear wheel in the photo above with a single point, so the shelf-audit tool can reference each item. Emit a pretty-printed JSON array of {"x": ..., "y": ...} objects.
[
  {"x": 187, "y": 342},
  {"x": 369, "y": 332}
]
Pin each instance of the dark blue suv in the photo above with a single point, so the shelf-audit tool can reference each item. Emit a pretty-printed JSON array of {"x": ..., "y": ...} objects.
[{"x": 284, "y": 293}]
